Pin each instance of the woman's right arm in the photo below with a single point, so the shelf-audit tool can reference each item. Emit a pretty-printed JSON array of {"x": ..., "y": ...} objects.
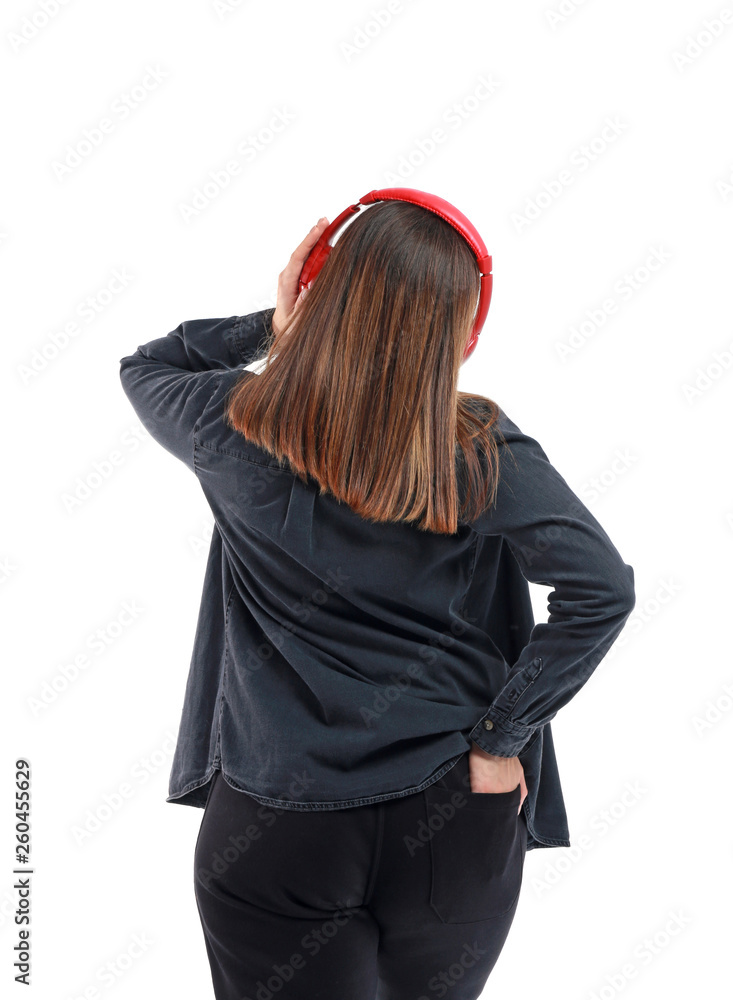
[{"x": 557, "y": 542}]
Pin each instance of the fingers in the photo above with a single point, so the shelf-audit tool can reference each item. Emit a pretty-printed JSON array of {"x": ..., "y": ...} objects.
[
  {"x": 287, "y": 283},
  {"x": 288, "y": 278},
  {"x": 301, "y": 252}
]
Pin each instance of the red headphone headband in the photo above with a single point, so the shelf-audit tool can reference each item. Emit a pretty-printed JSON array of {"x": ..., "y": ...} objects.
[{"x": 317, "y": 257}]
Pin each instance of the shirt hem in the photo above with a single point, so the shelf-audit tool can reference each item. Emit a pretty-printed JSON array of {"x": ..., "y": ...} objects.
[{"x": 185, "y": 797}]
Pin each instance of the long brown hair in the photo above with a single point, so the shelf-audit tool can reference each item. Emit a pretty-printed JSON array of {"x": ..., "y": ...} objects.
[{"x": 362, "y": 393}]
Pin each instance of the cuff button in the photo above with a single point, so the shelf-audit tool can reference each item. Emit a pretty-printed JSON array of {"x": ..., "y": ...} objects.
[{"x": 488, "y": 724}]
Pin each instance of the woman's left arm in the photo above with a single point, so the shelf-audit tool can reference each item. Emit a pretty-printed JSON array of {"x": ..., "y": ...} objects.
[{"x": 170, "y": 379}]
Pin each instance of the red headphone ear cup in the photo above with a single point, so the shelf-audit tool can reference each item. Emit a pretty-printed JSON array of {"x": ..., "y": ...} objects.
[{"x": 313, "y": 264}]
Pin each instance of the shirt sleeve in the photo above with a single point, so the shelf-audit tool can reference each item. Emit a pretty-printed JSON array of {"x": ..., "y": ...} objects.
[
  {"x": 557, "y": 542},
  {"x": 170, "y": 380}
]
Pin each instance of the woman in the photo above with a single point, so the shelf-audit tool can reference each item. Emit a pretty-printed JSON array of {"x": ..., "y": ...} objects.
[{"x": 366, "y": 721}]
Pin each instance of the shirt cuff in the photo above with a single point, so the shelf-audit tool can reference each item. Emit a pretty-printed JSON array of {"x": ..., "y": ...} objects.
[{"x": 500, "y": 737}]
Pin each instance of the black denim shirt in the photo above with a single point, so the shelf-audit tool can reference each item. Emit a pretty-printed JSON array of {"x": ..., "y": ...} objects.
[{"x": 339, "y": 662}]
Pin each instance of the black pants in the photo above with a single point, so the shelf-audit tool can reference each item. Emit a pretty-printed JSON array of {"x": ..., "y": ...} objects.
[{"x": 408, "y": 899}]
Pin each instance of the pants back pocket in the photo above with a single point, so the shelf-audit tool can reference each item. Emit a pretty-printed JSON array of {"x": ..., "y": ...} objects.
[{"x": 478, "y": 843}]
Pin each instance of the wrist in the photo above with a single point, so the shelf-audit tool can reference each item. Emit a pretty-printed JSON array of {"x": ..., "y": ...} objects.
[{"x": 485, "y": 753}]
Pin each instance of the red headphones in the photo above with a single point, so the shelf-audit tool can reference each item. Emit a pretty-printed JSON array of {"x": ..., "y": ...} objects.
[{"x": 317, "y": 257}]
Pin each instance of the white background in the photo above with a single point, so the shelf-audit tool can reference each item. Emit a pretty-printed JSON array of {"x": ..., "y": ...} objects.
[{"x": 640, "y": 403}]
